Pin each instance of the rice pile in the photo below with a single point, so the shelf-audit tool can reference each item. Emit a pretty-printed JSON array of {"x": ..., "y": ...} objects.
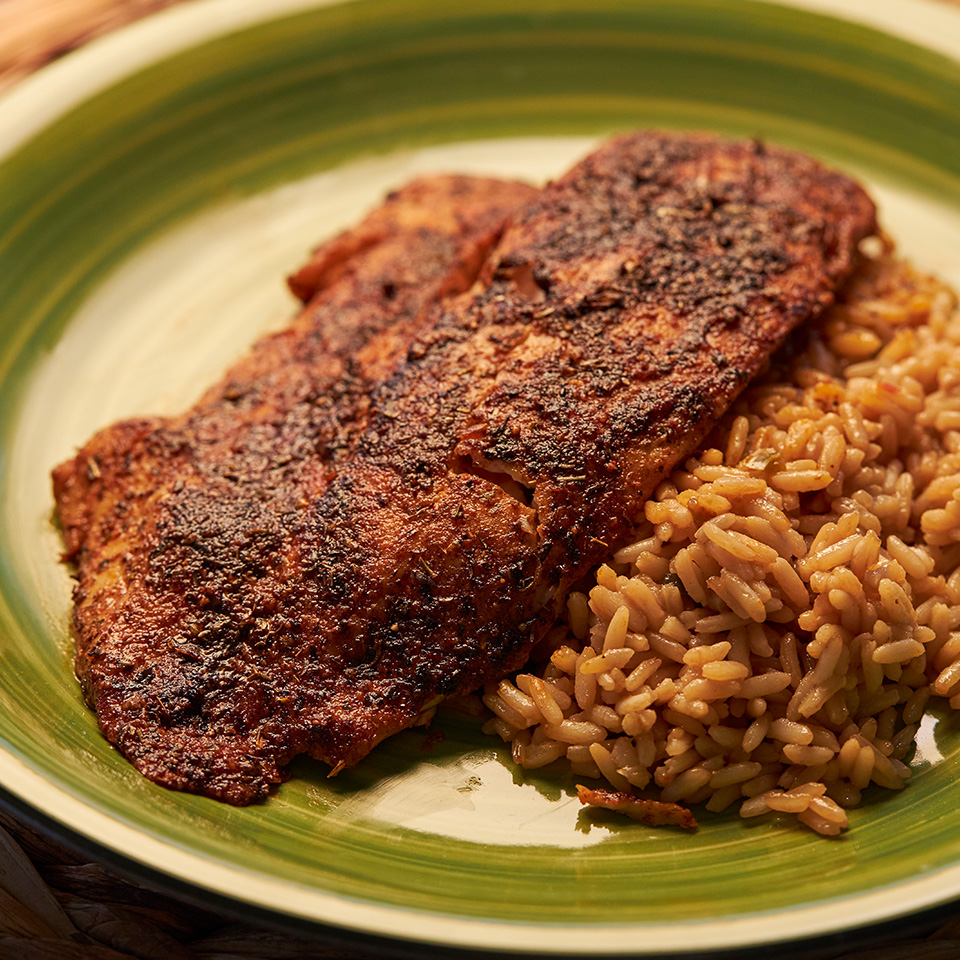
[{"x": 791, "y": 602}]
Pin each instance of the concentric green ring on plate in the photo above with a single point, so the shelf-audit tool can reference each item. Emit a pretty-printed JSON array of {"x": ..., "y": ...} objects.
[{"x": 154, "y": 188}]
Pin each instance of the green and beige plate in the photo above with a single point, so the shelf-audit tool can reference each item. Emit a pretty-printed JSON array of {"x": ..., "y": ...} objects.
[{"x": 155, "y": 188}]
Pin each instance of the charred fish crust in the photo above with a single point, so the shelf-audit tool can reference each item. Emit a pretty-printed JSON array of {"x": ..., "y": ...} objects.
[
  {"x": 385, "y": 504},
  {"x": 692, "y": 403},
  {"x": 175, "y": 694},
  {"x": 503, "y": 444},
  {"x": 205, "y": 537}
]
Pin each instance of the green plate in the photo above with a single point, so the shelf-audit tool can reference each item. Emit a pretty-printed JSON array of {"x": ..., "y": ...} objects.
[{"x": 154, "y": 189}]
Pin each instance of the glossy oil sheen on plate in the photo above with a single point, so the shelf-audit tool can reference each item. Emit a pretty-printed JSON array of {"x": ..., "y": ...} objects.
[{"x": 144, "y": 234}]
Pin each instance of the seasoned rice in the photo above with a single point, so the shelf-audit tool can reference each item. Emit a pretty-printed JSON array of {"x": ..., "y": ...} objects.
[{"x": 791, "y": 600}]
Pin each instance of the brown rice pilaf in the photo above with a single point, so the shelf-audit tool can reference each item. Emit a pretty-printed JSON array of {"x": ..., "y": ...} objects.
[{"x": 791, "y": 601}]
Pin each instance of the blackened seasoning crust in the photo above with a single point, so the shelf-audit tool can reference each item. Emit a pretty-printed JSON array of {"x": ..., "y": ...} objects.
[{"x": 362, "y": 519}]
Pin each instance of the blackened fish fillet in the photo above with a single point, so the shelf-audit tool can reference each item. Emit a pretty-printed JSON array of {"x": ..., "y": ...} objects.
[
  {"x": 409, "y": 533},
  {"x": 168, "y": 656}
]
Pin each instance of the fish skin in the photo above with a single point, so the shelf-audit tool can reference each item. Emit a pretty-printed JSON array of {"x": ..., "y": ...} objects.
[{"x": 474, "y": 458}]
